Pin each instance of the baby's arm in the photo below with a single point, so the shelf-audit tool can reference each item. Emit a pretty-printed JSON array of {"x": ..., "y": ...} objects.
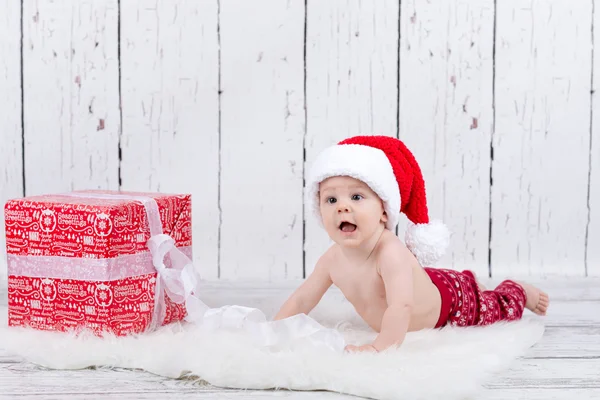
[
  {"x": 395, "y": 266},
  {"x": 308, "y": 295}
]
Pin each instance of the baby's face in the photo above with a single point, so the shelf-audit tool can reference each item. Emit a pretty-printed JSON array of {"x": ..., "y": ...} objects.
[{"x": 352, "y": 213}]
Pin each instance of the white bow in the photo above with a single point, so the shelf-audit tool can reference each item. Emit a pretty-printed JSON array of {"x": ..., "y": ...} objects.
[{"x": 179, "y": 279}]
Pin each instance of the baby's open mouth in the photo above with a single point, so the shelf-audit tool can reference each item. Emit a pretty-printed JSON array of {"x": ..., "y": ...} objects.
[{"x": 347, "y": 227}]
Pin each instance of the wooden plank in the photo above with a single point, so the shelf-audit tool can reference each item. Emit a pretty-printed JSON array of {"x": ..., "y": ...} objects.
[
  {"x": 569, "y": 342},
  {"x": 11, "y": 166},
  {"x": 9, "y": 359},
  {"x": 35, "y": 380},
  {"x": 170, "y": 142},
  {"x": 205, "y": 394},
  {"x": 262, "y": 120},
  {"x": 208, "y": 394},
  {"x": 71, "y": 96},
  {"x": 31, "y": 381},
  {"x": 446, "y": 116},
  {"x": 351, "y": 84},
  {"x": 550, "y": 373},
  {"x": 593, "y": 221},
  {"x": 541, "y": 138},
  {"x": 525, "y": 373},
  {"x": 580, "y": 313},
  {"x": 541, "y": 393}
]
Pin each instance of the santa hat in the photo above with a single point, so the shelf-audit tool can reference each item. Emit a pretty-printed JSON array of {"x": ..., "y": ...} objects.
[{"x": 389, "y": 168}]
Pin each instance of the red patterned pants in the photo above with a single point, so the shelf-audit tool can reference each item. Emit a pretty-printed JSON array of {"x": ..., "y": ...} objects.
[{"x": 464, "y": 304}]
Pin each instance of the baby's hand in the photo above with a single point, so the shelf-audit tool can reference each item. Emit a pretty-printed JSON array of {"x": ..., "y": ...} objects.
[{"x": 359, "y": 349}]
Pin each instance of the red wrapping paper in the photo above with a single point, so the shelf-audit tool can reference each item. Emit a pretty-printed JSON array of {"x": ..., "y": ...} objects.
[{"x": 77, "y": 263}]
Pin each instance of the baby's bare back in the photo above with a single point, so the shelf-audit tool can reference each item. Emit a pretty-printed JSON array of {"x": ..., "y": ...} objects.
[{"x": 364, "y": 288}]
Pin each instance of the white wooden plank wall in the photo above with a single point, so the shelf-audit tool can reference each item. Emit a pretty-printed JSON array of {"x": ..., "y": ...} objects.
[
  {"x": 542, "y": 135},
  {"x": 494, "y": 99},
  {"x": 71, "y": 96},
  {"x": 262, "y": 129},
  {"x": 593, "y": 222},
  {"x": 446, "y": 116},
  {"x": 11, "y": 132}
]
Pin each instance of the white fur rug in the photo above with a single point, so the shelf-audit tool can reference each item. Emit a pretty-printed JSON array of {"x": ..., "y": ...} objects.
[{"x": 452, "y": 363}]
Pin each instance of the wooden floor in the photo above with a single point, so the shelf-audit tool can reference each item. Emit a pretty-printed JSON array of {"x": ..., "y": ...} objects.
[{"x": 565, "y": 364}]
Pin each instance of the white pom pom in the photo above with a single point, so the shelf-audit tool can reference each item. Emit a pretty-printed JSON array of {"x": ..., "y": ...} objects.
[{"x": 428, "y": 242}]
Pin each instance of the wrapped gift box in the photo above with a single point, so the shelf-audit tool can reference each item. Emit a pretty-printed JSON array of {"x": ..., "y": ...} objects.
[{"x": 81, "y": 260}]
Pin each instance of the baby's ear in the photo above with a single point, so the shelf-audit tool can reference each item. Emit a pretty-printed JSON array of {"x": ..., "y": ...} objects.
[{"x": 384, "y": 217}]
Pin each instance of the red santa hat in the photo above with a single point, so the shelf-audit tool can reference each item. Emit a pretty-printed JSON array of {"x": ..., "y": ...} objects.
[{"x": 390, "y": 169}]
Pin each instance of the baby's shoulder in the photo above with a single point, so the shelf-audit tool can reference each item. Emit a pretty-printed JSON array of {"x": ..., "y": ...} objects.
[
  {"x": 392, "y": 249},
  {"x": 390, "y": 244},
  {"x": 334, "y": 254},
  {"x": 330, "y": 257}
]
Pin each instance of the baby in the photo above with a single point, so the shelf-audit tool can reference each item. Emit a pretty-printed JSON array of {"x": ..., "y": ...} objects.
[{"x": 357, "y": 189}]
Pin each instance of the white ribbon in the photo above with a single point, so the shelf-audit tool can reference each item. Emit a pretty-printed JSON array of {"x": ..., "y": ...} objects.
[
  {"x": 178, "y": 278},
  {"x": 179, "y": 281}
]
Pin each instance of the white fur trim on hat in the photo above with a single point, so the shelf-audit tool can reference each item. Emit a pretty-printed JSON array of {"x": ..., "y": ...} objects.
[
  {"x": 367, "y": 164},
  {"x": 428, "y": 242}
]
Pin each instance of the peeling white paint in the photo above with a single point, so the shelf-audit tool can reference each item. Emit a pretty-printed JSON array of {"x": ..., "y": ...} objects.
[{"x": 71, "y": 103}]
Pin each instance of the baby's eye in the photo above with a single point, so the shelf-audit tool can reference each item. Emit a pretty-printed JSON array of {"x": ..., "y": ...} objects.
[
  {"x": 331, "y": 200},
  {"x": 356, "y": 197}
]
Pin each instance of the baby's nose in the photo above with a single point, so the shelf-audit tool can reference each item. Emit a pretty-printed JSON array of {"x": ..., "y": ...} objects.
[{"x": 343, "y": 208}]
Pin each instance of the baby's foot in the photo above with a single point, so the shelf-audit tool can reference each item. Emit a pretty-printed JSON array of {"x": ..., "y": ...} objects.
[{"x": 537, "y": 301}]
